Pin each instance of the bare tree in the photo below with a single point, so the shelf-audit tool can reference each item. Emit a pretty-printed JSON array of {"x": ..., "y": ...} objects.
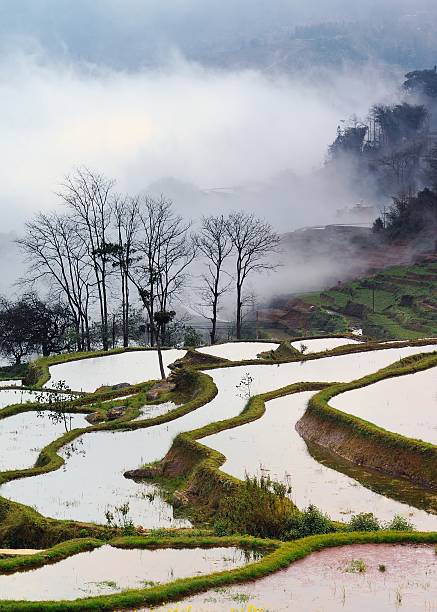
[
  {"x": 126, "y": 213},
  {"x": 254, "y": 241},
  {"x": 56, "y": 252},
  {"x": 89, "y": 197},
  {"x": 163, "y": 252},
  {"x": 214, "y": 244}
]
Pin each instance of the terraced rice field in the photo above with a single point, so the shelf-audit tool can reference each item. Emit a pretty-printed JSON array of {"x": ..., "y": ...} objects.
[{"x": 91, "y": 482}]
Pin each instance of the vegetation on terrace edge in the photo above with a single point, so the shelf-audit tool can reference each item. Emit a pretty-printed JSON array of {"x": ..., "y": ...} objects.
[
  {"x": 194, "y": 469},
  {"x": 364, "y": 443},
  {"x": 282, "y": 555}
]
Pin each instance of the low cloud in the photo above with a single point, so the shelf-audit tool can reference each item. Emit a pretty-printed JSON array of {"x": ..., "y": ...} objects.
[{"x": 201, "y": 128}]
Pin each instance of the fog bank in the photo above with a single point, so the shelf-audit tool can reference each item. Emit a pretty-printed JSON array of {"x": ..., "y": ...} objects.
[{"x": 233, "y": 139}]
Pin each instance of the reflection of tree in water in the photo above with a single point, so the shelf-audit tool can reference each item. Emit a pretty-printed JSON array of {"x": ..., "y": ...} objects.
[
  {"x": 58, "y": 398},
  {"x": 245, "y": 387},
  {"x": 74, "y": 448}
]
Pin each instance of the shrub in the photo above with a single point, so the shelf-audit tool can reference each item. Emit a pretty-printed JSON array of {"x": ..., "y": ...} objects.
[
  {"x": 185, "y": 379},
  {"x": 356, "y": 566},
  {"x": 309, "y": 522},
  {"x": 259, "y": 507},
  {"x": 399, "y": 523},
  {"x": 222, "y": 527},
  {"x": 365, "y": 521}
]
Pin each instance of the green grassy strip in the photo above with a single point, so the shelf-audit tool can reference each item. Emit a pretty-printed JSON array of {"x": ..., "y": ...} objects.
[
  {"x": 187, "y": 541},
  {"x": 346, "y": 349},
  {"x": 51, "y": 555},
  {"x": 73, "y": 547},
  {"x": 280, "y": 558}
]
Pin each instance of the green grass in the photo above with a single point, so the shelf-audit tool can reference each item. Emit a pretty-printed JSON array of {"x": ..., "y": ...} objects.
[{"x": 391, "y": 319}]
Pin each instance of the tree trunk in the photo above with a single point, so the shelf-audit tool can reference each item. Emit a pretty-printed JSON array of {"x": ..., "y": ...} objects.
[
  {"x": 158, "y": 347},
  {"x": 126, "y": 314},
  {"x": 239, "y": 312},
  {"x": 214, "y": 322}
]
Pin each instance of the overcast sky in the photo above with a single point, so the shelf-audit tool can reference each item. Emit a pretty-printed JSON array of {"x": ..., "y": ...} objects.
[{"x": 77, "y": 86}]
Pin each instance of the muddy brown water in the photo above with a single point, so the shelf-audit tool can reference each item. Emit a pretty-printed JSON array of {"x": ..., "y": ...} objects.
[{"x": 358, "y": 578}]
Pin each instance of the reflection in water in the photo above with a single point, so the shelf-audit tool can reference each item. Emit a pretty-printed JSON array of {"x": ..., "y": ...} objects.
[
  {"x": 110, "y": 570},
  {"x": 272, "y": 447},
  {"x": 9, "y": 397},
  {"x": 22, "y": 437},
  {"x": 92, "y": 482}
]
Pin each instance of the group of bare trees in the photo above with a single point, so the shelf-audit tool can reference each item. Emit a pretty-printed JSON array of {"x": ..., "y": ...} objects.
[
  {"x": 250, "y": 241},
  {"x": 102, "y": 244}
]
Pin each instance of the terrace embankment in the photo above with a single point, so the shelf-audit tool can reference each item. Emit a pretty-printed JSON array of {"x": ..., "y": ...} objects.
[
  {"x": 365, "y": 444},
  {"x": 197, "y": 467}
]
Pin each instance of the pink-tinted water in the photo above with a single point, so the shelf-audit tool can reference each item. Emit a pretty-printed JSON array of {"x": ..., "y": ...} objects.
[{"x": 324, "y": 582}]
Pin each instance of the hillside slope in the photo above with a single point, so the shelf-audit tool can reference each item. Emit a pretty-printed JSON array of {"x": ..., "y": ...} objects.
[{"x": 397, "y": 303}]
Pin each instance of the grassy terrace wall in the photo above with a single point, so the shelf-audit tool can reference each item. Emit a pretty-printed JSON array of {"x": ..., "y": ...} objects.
[
  {"x": 347, "y": 349},
  {"x": 205, "y": 484},
  {"x": 280, "y": 557},
  {"x": 366, "y": 444}
]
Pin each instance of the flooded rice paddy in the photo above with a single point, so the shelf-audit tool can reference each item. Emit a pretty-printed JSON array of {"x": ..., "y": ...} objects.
[
  {"x": 132, "y": 367},
  {"x": 322, "y": 344},
  {"x": 358, "y": 578},
  {"x": 108, "y": 570},
  {"x": 406, "y": 405},
  {"x": 23, "y": 435},
  {"x": 271, "y": 446},
  {"x": 92, "y": 478},
  {"x": 238, "y": 351},
  {"x": 150, "y": 411}
]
